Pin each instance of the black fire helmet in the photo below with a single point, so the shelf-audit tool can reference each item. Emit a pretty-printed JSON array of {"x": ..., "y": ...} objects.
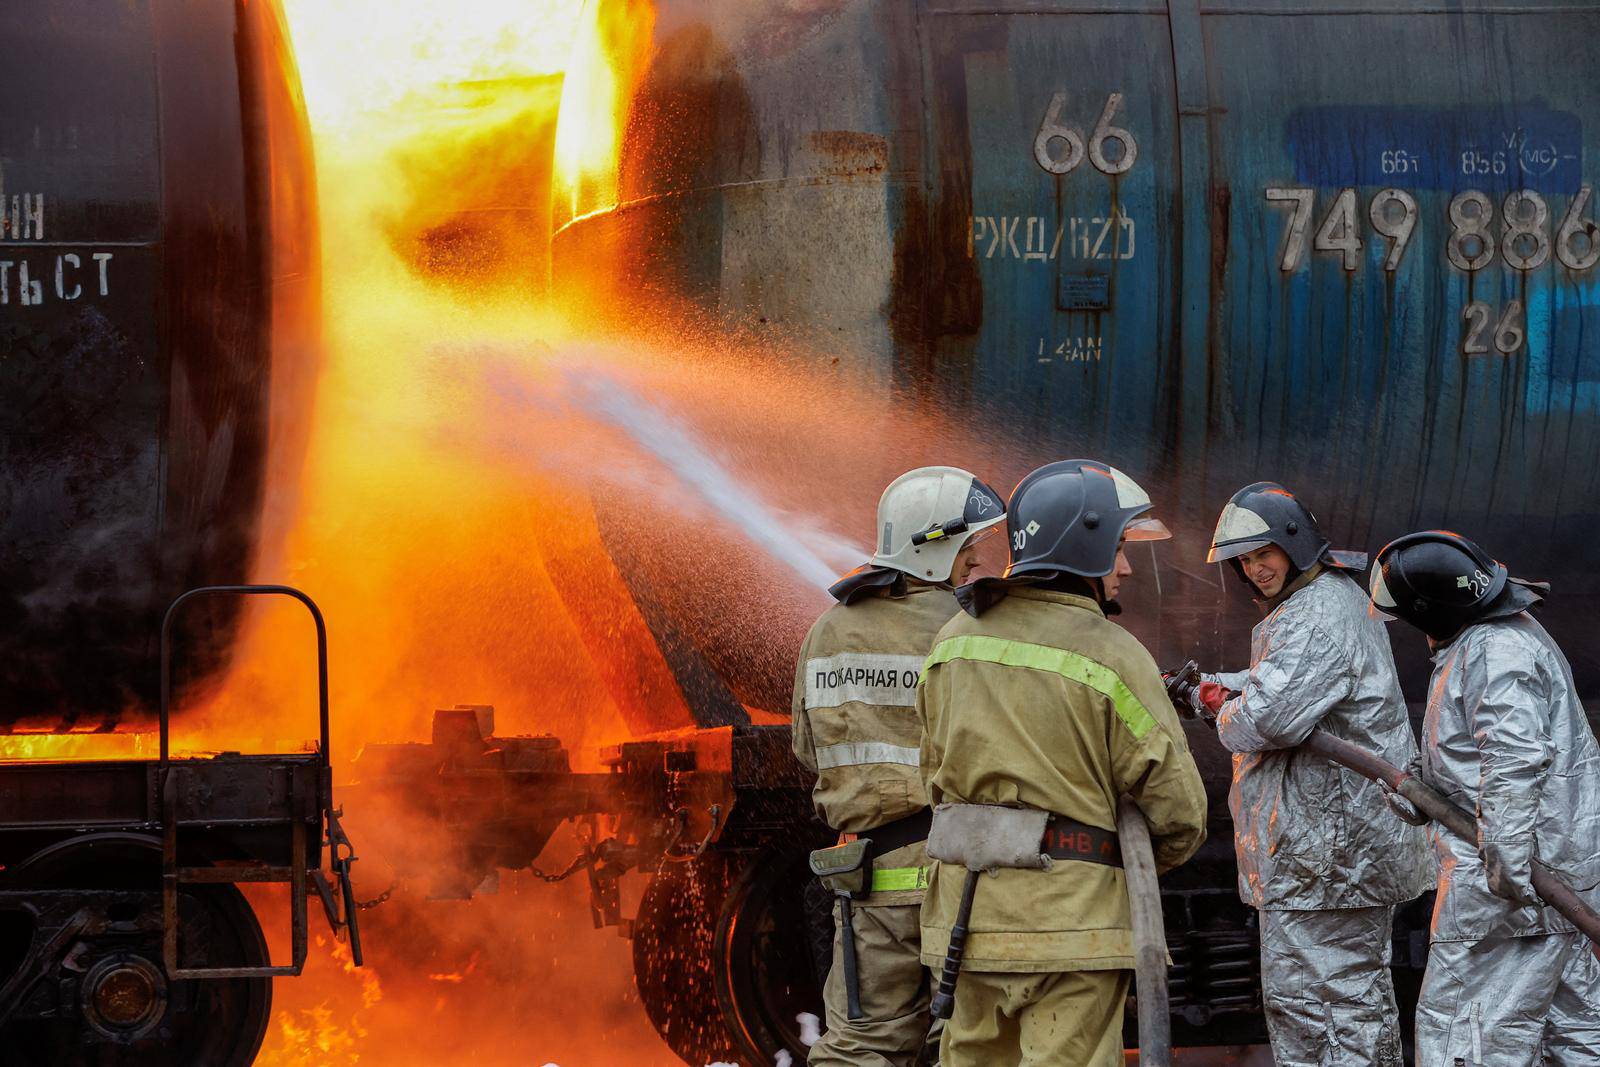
[{"x": 1441, "y": 583}]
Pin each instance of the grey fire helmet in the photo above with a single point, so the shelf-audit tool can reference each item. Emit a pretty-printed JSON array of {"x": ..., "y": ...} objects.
[
  {"x": 1441, "y": 583},
  {"x": 927, "y": 515},
  {"x": 1265, "y": 513},
  {"x": 1071, "y": 517}
]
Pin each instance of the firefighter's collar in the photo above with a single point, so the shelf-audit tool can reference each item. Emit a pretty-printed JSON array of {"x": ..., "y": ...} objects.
[
  {"x": 868, "y": 580},
  {"x": 1520, "y": 595},
  {"x": 1303, "y": 579},
  {"x": 1055, "y": 596}
]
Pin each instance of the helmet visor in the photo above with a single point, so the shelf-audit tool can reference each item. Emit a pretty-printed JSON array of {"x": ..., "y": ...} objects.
[
  {"x": 1382, "y": 602},
  {"x": 1147, "y": 528},
  {"x": 990, "y": 549},
  {"x": 1234, "y": 549},
  {"x": 983, "y": 505},
  {"x": 1239, "y": 530}
]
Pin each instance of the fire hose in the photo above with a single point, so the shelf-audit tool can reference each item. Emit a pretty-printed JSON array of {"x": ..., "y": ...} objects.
[
  {"x": 1430, "y": 802},
  {"x": 1551, "y": 889},
  {"x": 1149, "y": 936}
]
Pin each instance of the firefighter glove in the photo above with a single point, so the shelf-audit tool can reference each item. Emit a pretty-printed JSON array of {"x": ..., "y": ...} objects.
[{"x": 1508, "y": 866}]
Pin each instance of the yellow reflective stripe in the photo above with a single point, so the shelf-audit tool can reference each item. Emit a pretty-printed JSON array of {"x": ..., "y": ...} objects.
[
  {"x": 892, "y": 879},
  {"x": 1070, "y": 665}
]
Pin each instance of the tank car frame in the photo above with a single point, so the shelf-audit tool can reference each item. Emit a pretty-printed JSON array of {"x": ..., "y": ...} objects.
[{"x": 124, "y": 937}]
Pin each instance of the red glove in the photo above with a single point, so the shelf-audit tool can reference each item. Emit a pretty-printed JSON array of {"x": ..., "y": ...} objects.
[{"x": 1212, "y": 695}]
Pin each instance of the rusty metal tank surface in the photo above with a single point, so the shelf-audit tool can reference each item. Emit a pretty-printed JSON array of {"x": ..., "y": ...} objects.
[
  {"x": 158, "y": 306},
  {"x": 1348, "y": 246}
]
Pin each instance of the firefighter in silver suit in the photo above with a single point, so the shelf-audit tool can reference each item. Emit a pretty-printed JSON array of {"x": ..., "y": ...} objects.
[
  {"x": 1322, "y": 856},
  {"x": 1510, "y": 983}
]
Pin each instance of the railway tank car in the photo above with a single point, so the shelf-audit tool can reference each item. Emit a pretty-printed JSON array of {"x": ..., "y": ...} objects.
[
  {"x": 1348, "y": 247},
  {"x": 158, "y": 306}
]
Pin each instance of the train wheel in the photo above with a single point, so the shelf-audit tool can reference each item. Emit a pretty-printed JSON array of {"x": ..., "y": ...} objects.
[
  {"x": 116, "y": 1007},
  {"x": 674, "y": 958},
  {"x": 766, "y": 977}
]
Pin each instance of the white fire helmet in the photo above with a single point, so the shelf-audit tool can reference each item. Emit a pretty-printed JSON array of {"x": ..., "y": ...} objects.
[{"x": 926, "y": 516}]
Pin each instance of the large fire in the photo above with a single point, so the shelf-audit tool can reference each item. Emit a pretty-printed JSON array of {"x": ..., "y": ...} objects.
[{"x": 433, "y": 128}]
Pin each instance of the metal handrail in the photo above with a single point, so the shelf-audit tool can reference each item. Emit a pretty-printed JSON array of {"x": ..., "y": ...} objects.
[
  {"x": 242, "y": 590},
  {"x": 172, "y": 875}
]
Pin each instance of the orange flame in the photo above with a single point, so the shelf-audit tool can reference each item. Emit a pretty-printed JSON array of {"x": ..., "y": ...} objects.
[
  {"x": 609, "y": 53},
  {"x": 79, "y": 746},
  {"x": 434, "y": 129}
]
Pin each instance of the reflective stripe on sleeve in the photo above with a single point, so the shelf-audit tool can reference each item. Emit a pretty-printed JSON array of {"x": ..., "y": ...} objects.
[
  {"x": 1070, "y": 665},
  {"x": 868, "y": 677},
  {"x": 857, "y": 753},
  {"x": 895, "y": 879}
]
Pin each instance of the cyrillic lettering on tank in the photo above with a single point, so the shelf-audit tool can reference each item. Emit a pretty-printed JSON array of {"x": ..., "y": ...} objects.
[
  {"x": 33, "y": 217},
  {"x": 32, "y": 292},
  {"x": 62, "y": 262}
]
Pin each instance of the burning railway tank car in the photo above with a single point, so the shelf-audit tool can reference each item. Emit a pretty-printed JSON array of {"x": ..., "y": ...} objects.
[
  {"x": 159, "y": 289},
  {"x": 1213, "y": 240},
  {"x": 158, "y": 315}
]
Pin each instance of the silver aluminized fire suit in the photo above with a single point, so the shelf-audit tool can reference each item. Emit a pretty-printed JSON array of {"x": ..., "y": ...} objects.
[
  {"x": 1321, "y": 855},
  {"x": 1510, "y": 985}
]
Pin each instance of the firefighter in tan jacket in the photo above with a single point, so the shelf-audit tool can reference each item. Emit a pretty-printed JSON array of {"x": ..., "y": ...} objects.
[
  {"x": 855, "y": 725},
  {"x": 1034, "y": 702}
]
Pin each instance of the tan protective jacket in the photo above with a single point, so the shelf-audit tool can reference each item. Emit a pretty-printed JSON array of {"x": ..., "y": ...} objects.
[
  {"x": 855, "y": 721},
  {"x": 1044, "y": 702}
]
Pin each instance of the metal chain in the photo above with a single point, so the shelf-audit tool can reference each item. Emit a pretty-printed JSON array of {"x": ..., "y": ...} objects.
[
  {"x": 586, "y": 858},
  {"x": 368, "y": 905}
]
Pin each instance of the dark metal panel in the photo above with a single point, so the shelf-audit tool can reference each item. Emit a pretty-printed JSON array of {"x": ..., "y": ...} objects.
[
  {"x": 81, "y": 376},
  {"x": 217, "y": 792},
  {"x": 156, "y": 234}
]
